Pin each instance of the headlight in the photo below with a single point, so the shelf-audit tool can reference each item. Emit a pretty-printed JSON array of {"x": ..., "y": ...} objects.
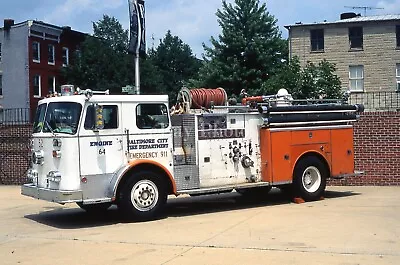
[
  {"x": 32, "y": 175},
  {"x": 38, "y": 157},
  {"x": 57, "y": 142}
]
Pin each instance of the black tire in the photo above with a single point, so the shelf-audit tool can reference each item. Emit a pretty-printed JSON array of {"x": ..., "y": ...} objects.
[
  {"x": 310, "y": 176},
  {"x": 143, "y": 197},
  {"x": 258, "y": 192},
  {"x": 94, "y": 208}
]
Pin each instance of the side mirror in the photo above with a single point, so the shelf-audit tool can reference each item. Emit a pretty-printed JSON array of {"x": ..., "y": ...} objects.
[{"x": 98, "y": 119}]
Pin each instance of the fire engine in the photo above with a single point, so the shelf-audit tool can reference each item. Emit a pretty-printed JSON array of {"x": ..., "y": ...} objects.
[{"x": 133, "y": 151}]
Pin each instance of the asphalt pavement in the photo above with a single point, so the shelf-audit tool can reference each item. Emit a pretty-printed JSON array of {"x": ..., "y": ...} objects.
[{"x": 352, "y": 225}]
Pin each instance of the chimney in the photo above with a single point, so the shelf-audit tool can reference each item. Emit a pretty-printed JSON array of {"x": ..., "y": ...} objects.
[
  {"x": 8, "y": 23},
  {"x": 347, "y": 15}
]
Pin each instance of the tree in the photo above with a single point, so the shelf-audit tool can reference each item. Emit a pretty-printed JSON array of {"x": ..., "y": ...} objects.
[
  {"x": 289, "y": 77},
  {"x": 110, "y": 30},
  {"x": 312, "y": 81},
  {"x": 248, "y": 51},
  {"x": 174, "y": 63},
  {"x": 103, "y": 62}
]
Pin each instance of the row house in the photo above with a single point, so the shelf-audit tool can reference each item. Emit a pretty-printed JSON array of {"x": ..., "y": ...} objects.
[
  {"x": 32, "y": 56},
  {"x": 366, "y": 50}
]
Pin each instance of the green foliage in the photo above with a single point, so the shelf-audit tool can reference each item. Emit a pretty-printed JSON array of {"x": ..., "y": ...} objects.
[
  {"x": 313, "y": 81},
  {"x": 248, "y": 51},
  {"x": 110, "y": 30},
  {"x": 174, "y": 64},
  {"x": 102, "y": 62},
  {"x": 249, "y": 54}
]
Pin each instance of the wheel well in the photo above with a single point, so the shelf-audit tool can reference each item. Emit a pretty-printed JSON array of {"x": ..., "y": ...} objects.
[
  {"x": 145, "y": 167},
  {"x": 317, "y": 155}
]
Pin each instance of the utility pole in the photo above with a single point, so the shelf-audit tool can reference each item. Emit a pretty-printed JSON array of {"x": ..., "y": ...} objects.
[
  {"x": 365, "y": 8},
  {"x": 137, "y": 32}
]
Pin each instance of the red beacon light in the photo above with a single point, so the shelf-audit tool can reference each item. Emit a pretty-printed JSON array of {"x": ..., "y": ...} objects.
[{"x": 67, "y": 90}]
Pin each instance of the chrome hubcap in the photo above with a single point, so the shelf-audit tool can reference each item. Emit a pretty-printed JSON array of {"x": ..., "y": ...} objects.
[
  {"x": 311, "y": 179},
  {"x": 144, "y": 195}
]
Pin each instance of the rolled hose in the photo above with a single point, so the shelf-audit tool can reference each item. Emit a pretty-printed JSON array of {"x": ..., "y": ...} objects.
[{"x": 202, "y": 97}]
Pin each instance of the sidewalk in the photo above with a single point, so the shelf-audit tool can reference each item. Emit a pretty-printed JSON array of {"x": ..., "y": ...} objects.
[{"x": 353, "y": 225}]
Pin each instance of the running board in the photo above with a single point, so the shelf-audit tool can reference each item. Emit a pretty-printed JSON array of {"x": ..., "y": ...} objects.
[
  {"x": 223, "y": 189},
  {"x": 355, "y": 174}
]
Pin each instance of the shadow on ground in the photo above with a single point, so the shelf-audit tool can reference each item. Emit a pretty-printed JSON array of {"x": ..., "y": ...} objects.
[{"x": 76, "y": 218}]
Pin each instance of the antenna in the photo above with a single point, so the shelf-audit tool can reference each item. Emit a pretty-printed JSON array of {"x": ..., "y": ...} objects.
[{"x": 365, "y": 8}]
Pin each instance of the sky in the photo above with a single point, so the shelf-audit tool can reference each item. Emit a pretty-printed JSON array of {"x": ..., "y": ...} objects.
[{"x": 193, "y": 21}]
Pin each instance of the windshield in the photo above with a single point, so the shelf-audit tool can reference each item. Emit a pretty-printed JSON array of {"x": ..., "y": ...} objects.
[
  {"x": 39, "y": 118},
  {"x": 61, "y": 117}
]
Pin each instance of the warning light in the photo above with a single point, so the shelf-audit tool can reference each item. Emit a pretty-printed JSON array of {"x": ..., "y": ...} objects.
[{"x": 67, "y": 90}]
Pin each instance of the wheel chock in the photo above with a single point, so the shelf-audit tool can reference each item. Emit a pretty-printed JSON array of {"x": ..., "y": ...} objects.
[{"x": 298, "y": 200}]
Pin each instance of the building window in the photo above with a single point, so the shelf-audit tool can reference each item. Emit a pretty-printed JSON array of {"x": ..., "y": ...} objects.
[
  {"x": 356, "y": 37},
  {"x": 36, "y": 86},
  {"x": 1, "y": 85},
  {"x": 398, "y": 36},
  {"x": 356, "y": 78},
  {"x": 36, "y": 51},
  {"x": 398, "y": 76},
  {"x": 317, "y": 39},
  {"x": 65, "y": 56},
  {"x": 36, "y": 33},
  {"x": 51, "y": 54},
  {"x": 51, "y": 84}
]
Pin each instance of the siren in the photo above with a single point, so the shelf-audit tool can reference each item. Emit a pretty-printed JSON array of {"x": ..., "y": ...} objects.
[{"x": 67, "y": 90}]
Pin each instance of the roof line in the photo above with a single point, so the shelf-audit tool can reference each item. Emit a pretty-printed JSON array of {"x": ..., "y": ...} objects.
[{"x": 358, "y": 19}]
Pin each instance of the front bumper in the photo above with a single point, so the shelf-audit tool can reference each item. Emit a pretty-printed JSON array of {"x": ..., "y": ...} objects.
[{"x": 59, "y": 196}]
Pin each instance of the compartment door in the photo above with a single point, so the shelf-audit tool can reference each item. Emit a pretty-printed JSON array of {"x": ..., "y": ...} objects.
[
  {"x": 342, "y": 151},
  {"x": 281, "y": 157}
]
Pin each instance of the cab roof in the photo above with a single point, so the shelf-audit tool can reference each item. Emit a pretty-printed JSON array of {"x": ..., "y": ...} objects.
[{"x": 109, "y": 99}]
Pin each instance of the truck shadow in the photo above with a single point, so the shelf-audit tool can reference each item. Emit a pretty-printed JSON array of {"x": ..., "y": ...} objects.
[
  {"x": 76, "y": 218},
  {"x": 233, "y": 201}
]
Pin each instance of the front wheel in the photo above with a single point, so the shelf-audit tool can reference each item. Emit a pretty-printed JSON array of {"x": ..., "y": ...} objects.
[
  {"x": 143, "y": 197},
  {"x": 310, "y": 176}
]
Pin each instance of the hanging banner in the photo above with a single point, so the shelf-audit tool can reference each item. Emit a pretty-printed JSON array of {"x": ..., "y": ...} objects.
[{"x": 137, "y": 42}]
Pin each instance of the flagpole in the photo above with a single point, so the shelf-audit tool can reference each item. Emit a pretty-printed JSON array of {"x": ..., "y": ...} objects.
[{"x": 137, "y": 53}]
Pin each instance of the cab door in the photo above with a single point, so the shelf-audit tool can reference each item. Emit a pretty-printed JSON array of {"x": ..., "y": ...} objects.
[{"x": 101, "y": 151}]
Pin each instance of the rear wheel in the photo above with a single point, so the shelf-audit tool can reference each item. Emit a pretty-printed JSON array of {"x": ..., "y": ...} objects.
[
  {"x": 143, "y": 197},
  {"x": 310, "y": 176}
]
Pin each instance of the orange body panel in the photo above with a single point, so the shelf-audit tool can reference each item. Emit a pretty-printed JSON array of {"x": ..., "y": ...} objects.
[
  {"x": 310, "y": 137},
  {"x": 281, "y": 149},
  {"x": 266, "y": 155},
  {"x": 342, "y": 151},
  {"x": 281, "y": 158}
]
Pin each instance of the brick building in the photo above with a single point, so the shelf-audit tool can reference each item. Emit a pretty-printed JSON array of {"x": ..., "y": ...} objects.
[
  {"x": 32, "y": 54},
  {"x": 366, "y": 50}
]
